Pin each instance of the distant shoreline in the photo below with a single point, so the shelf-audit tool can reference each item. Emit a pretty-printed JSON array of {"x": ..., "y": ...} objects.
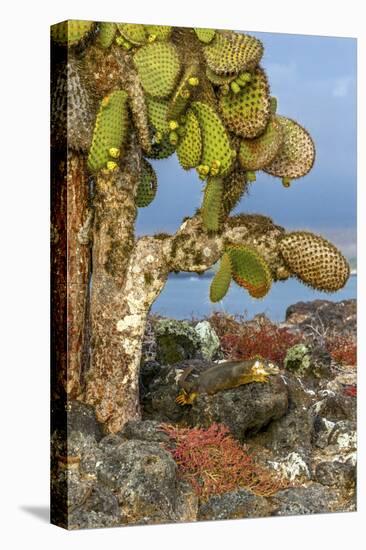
[{"x": 210, "y": 274}]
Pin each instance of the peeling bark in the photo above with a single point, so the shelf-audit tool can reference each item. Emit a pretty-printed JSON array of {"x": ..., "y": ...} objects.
[{"x": 70, "y": 270}]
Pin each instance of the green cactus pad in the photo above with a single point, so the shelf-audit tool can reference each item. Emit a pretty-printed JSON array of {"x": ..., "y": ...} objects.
[
  {"x": 216, "y": 146},
  {"x": 235, "y": 185},
  {"x": 107, "y": 32},
  {"x": 221, "y": 281},
  {"x": 255, "y": 154},
  {"x": 160, "y": 32},
  {"x": 211, "y": 205},
  {"x": 157, "y": 112},
  {"x": 69, "y": 33},
  {"x": 184, "y": 92},
  {"x": 205, "y": 35},
  {"x": 297, "y": 154},
  {"x": 247, "y": 113},
  {"x": 250, "y": 270},
  {"x": 134, "y": 33},
  {"x": 219, "y": 79},
  {"x": 315, "y": 261},
  {"x": 230, "y": 52},
  {"x": 147, "y": 186},
  {"x": 158, "y": 67},
  {"x": 110, "y": 130},
  {"x": 161, "y": 150},
  {"x": 189, "y": 149}
]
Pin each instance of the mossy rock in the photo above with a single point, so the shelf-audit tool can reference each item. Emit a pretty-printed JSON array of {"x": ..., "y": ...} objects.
[
  {"x": 176, "y": 341},
  {"x": 298, "y": 359}
]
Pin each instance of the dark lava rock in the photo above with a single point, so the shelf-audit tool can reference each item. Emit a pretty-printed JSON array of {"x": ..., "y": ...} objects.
[
  {"x": 74, "y": 416},
  {"x": 235, "y": 505},
  {"x": 294, "y": 430},
  {"x": 144, "y": 430},
  {"x": 336, "y": 474},
  {"x": 244, "y": 409},
  {"x": 343, "y": 435},
  {"x": 88, "y": 519},
  {"x": 337, "y": 407},
  {"x": 323, "y": 315},
  {"x": 143, "y": 477},
  {"x": 315, "y": 499},
  {"x": 100, "y": 509}
]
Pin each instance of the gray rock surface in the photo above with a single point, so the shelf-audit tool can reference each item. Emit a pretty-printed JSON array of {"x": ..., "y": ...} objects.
[
  {"x": 210, "y": 343},
  {"x": 314, "y": 499},
  {"x": 235, "y": 505},
  {"x": 301, "y": 426},
  {"x": 323, "y": 315}
]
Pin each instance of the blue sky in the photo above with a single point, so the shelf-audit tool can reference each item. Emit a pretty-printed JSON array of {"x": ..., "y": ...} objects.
[{"x": 314, "y": 80}]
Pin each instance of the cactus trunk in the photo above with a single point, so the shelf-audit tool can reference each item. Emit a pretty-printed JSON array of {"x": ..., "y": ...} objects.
[
  {"x": 127, "y": 277},
  {"x": 70, "y": 257}
]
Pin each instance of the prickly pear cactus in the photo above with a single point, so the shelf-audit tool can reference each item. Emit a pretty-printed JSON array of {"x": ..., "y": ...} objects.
[
  {"x": 203, "y": 95},
  {"x": 314, "y": 260},
  {"x": 222, "y": 279},
  {"x": 158, "y": 67},
  {"x": 147, "y": 186},
  {"x": 70, "y": 33},
  {"x": 250, "y": 270},
  {"x": 110, "y": 132}
]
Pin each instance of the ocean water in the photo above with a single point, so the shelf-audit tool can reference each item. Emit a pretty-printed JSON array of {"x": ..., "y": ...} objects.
[{"x": 187, "y": 295}]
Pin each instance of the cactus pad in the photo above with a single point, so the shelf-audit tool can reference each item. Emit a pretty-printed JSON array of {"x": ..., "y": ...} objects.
[
  {"x": 247, "y": 112},
  {"x": 134, "y": 33},
  {"x": 314, "y": 260},
  {"x": 297, "y": 154},
  {"x": 205, "y": 35},
  {"x": 158, "y": 67},
  {"x": 189, "y": 149},
  {"x": 157, "y": 112},
  {"x": 211, "y": 205},
  {"x": 107, "y": 32},
  {"x": 161, "y": 150},
  {"x": 250, "y": 270},
  {"x": 147, "y": 186},
  {"x": 158, "y": 32},
  {"x": 221, "y": 281},
  {"x": 215, "y": 139},
  {"x": 235, "y": 185},
  {"x": 255, "y": 154},
  {"x": 70, "y": 33},
  {"x": 230, "y": 52},
  {"x": 110, "y": 130}
]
